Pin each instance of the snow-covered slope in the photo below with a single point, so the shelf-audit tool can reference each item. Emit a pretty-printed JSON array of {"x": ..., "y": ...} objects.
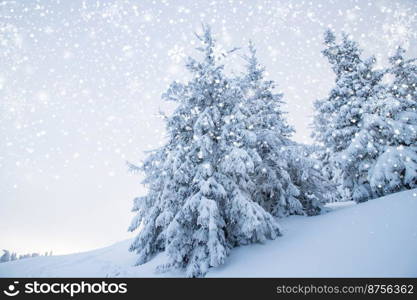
[{"x": 377, "y": 238}]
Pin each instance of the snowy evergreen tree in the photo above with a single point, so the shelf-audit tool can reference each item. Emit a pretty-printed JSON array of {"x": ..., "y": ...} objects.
[
  {"x": 396, "y": 167},
  {"x": 404, "y": 85},
  {"x": 13, "y": 256},
  {"x": 378, "y": 156},
  {"x": 5, "y": 257},
  {"x": 388, "y": 141},
  {"x": 304, "y": 169},
  {"x": 340, "y": 117},
  {"x": 287, "y": 182},
  {"x": 199, "y": 203}
]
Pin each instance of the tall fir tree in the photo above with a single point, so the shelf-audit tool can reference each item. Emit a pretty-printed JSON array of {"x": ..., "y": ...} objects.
[
  {"x": 396, "y": 168},
  {"x": 404, "y": 85},
  {"x": 199, "y": 204},
  {"x": 287, "y": 181},
  {"x": 340, "y": 117},
  {"x": 388, "y": 140}
]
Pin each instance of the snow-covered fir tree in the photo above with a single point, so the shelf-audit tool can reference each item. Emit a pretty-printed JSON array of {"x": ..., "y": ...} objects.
[
  {"x": 287, "y": 181},
  {"x": 5, "y": 257},
  {"x": 396, "y": 168},
  {"x": 199, "y": 204},
  {"x": 13, "y": 256},
  {"x": 340, "y": 117},
  {"x": 404, "y": 84},
  {"x": 304, "y": 169},
  {"x": 387, "y": 142}
]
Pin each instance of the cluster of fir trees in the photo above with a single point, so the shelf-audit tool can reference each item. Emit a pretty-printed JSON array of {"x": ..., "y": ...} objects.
[
  {"x": 367, "y": 126},
  {"x": 228, "y": 169}
]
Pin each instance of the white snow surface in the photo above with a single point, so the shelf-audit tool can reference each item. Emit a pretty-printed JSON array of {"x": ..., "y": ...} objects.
[{"x": 377, "y": 238}]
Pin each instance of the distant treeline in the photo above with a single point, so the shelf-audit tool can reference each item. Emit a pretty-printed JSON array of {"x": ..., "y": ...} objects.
[{"x": 11, "y": 256}]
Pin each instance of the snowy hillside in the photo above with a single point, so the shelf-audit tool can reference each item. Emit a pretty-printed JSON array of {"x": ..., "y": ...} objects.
[{"x": 377, "y": 238}]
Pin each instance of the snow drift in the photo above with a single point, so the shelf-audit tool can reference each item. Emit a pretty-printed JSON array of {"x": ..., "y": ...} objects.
[{"x": 377, "y": 238}]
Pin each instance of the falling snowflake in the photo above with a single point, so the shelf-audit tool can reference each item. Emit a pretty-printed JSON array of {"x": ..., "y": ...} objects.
[
  {"x": 134, "y": 85},
  {"x": 113, "y": 13},
  {"x": 176, "y": 54},
  {"x": 280, "y": 14},
  {"x": 398, "y": 27}
]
